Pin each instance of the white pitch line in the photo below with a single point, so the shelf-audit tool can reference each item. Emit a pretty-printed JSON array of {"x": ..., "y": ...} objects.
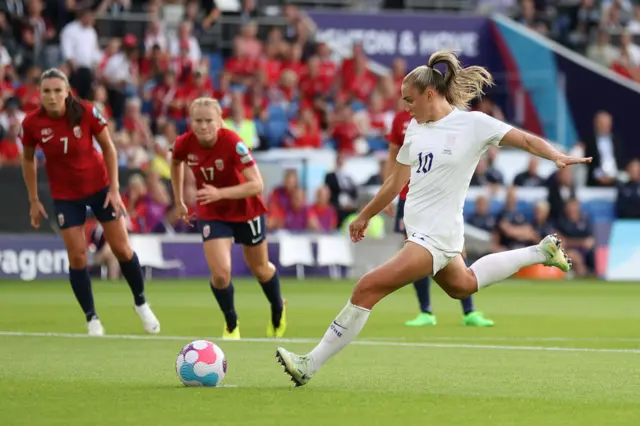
[
  {"x": 510, "y": 339},
  {"x": 307, "y": 340}
]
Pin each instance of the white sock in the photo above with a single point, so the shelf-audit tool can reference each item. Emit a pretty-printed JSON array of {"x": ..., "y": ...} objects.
[
  {"x": 342, "y": 331},
  {"x": 496, "y": 267}
]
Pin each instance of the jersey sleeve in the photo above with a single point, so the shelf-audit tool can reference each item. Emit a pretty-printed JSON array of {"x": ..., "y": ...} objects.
[
  {"x": 96, "y": 119},
  {"x": 489, "y": 130},
  {"x": 178, "y": 149},
  {"x": 242, "y": 157},
  {"x": 26, "y": 135}
]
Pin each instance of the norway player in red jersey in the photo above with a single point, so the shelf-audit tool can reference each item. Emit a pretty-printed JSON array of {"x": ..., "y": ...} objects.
[
  {"x": 229, "y": 209},
  {"x": 64, "y": 128},
  {"x": 423, "y": 286}
]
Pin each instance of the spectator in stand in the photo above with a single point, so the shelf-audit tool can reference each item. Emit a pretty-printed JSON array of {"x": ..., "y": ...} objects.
[
  {"x": 159, "y": 164},
  {"x": 304, "y": 132},
  {"x": 376, "y": 122},
  {"x": 241, "y": 122},
  {"x": 134, "y": 200},
  {"x": 560, "y": 188},
  {"x": 541, "y": 222},
  {"x": 240, "y": 70},
  {"x": 137, "y": 124},
  {"x": 485, "y": 175},
  {"x": 37, "y": 33},
  {"x": 379, "y": 178},
  {"x": 281, "y": 196},
  {"x": 530, "y": 176},
  {"x": 344, "y": 130},
  {"x": 626, "y": 43},
  {"x": 322, "y": 216},
  {"x": 634, "y": 24},
  {"x": 12, "y": 114},
  {"x": 481, "y": 216},
  {"x": 81, "y": 51},
  {"x": 623, "y": 66},
  {"x": 185, "y": 41},
  {"x": 248, "y": 43},
  {"x": 513, "y": 228},
  {"x": 584, "y": 21},
  {"x": 344, "y": 191},
  {"x": 576, "y": 232},
  {"x": 157, "y": 203},
  {"x": 296, "y": 217},
  {"x": 602, "y": 51},
  {"x": 10, "y": 148},
  {"x": 155, "y": 36},
  {"x": 167, "y": 102},
  {"x": 28, "y": 93},
  {"x": 628, "y": 202},
  {"x": 122, "y": 76},
  {"x": 606, "y": 150},
  {"x": 100, "y": 101}
]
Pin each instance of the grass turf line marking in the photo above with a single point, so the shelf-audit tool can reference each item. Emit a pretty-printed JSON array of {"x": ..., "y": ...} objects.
[{"x": 300, "y": 340}]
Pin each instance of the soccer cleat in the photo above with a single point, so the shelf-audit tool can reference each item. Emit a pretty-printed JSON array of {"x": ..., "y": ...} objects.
[
  {"x": 231, "y": 335},
  {"x": 296, "y": 366},
  {"x": 95, "y": 327},
  {"x": 423, "y": 318},
  {"x": 278, "y": 332},
  {"x": 551, "y": 247},
  {"x": 149, "y": 321},
  {"x": 476, "y": 319}
]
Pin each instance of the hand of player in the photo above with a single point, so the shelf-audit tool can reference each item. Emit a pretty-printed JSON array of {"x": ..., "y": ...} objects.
[
  {"x": 357, "y": 228},
  {"x": 565, "y": 160},
  {"x": 208, "y": 194},
  {"x": 37, "y": 211},
  {"x": 183, "y": 213},
  {"x": 114, "y": 198}
]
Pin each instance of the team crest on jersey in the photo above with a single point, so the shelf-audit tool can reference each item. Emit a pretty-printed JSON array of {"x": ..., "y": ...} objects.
[
  {"x": 61, "y": 219},
  {"x": 206, "y": 231},
  {"x": 219, "y": 164},
  {"x": 46, "y": 131},
  {"x": 450, "y": 143},
  {"x": 242, "y": 149},
  {"x": 77, "y": 132}
]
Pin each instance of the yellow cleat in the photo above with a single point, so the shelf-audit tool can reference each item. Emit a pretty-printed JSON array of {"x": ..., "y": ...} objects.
[
  {"x": 231, "y": 335},
  {"x": 278, "y": 332}
]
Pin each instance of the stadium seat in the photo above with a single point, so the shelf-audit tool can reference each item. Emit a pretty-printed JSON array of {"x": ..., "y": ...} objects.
[
  {"x": 149, "y": 251},
  {"x": 296, "y": 250},
  {"x": 335, "y": 251}
]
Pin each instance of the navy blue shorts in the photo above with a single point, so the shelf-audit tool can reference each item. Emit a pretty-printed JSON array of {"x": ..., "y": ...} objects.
[
  {"x": 249, "y": 233},
  {"x": 70, "y": 213},
  {"x": 399, "y": 223}
]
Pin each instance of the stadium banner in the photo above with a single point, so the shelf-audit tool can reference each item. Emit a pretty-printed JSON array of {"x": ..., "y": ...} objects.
[
  {"x": 30, "y": 257},
  {"x": 412, "y": 36},
  {"x": 624, "y": 251}
]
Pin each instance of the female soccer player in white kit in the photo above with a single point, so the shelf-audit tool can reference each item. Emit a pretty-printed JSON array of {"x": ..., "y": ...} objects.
[{"x": 441, "y": 150}]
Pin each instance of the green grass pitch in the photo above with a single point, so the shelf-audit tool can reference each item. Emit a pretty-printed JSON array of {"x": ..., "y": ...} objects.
[{"x": 560, "y": 354}]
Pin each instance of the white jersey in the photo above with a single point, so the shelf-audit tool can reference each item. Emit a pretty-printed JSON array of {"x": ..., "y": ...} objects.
[{"x": 443, "y": 156}]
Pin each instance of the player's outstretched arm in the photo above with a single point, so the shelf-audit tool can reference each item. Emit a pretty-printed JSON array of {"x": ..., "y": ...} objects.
[
  {"x": 30, "y": 174},
  {"x": 539, "y": 147},
  {"x": 177, "y": 184},
  {"x": 390, "y": 189}
]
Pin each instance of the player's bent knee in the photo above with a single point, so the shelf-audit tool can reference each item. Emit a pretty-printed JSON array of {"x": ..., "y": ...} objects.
[
  {"x": 122, "y": 252},
  {"x": 77, "y": 259},
  {"x": 462, "y": 289},
  {"x": 221, "y": 280},
  {"x": 364, "y": 293},
  {"x": 263, "y": 273}
]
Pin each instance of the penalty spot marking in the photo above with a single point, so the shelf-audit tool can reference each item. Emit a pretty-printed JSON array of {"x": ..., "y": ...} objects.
[{"x": 307, "y": 340}]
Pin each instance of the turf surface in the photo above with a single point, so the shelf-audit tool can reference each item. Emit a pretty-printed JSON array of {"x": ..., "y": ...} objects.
[{"x": 560, "y": 354}]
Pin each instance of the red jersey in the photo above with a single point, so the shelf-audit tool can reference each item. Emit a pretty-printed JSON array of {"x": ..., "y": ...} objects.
[
  {"x": 221, "y": 166},
  {"x": 396, "y": 137},
  {"x": 75, "y": 168}
]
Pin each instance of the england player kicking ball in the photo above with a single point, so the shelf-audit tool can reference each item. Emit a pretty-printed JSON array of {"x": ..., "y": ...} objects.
[
  {"x": 230, "y": 209},
  {"x": 441, "y": 150}
]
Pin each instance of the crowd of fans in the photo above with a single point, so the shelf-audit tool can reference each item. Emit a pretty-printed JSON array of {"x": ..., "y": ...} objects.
[{"x": 283, "y": 89}]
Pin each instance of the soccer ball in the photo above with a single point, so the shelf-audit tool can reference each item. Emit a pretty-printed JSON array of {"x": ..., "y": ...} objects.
[{"x": 201, "y": 363}]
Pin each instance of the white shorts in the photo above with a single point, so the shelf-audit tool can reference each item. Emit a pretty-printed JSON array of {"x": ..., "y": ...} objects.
[{"x": 441, "y": 258}]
